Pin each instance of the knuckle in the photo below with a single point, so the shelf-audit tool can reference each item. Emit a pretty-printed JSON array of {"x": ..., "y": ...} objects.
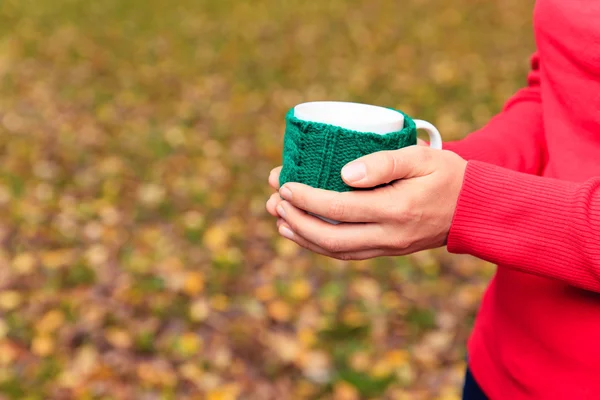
[
  {"x": 337, "y": 208},
  {"x": 423, "y": 153},
  {"x": 291, "y": 221},
  {"x": 397, "y": 211},
  {"x": 391, "y": 163}
]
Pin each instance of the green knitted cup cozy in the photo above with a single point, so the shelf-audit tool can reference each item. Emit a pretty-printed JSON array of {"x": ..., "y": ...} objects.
[{"x": 315, "y": 153}]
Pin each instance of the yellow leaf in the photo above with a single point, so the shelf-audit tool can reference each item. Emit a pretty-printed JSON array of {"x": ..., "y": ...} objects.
[
  {"x": 279, "y": 311},
  {"x": 315, "y": 365},
  {"x": 215, "y": 199},
  {"x": 397, "y": 358},
  {"x": 391, "y": 300},
  {"x": 329, "y": 304},
  {"x": 119, "y": 338},
  {"x": 151, "y": 194},
  {"x": 194, "y": 283},
  {"x": 175, "y": 136},
  {"x": 381, "y": 369},
  {"x": 300, "y": 289},
  {"x": 231, "y": 255},
  {"x": 189, "y": 344},
  {"x": 97, "y": 255},
  {"x": 353, "y": 317},
  {"x": 23, "y": 263},
  {"x": 307, "y": 337},
  {"x": 219, "y": 302},
  {"x": 199, "y": 310},
  {"x": 81, "y": 367},
  {"x": 449, "y": 393},
  {"x": 171, "y": 263},
  {"x": 264, "y": 292},
  {"x": 193, "y": 220},
  {"x": 42, "y": 346},
  {"x": 215, "y": 238},
  {"x": 3, "y": 329},
  {"x": 221, "y": 357},
  {"x": 345, "y": 391},
  {"x": 86, "y": 359},
  {"x": 367, "y": 288},
  {"x": 57, "y": 258},
  {"x": 286, "y": 248},
  {"x": 93, "y": 230},
  {"x": 10, "y": 299},
  {"x": 191, "y": 372},
  {"x": 443, "y": 72},
  {"x": 110, "y": 215},
  {"x": 50, "y": 322},
  {"x": 156, "y": 374},
  {"x": 406, "y": 375},
  {"x": 8, "y": 353},
  {"x": 285, "y": 346},
  {"x": 306, "y": 390},
  {"x": 360, "y": 361},
  {"x": 226, "y": 392}
]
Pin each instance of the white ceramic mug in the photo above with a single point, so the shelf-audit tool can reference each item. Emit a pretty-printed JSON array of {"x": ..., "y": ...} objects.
[{"x": 361, "y": 118}]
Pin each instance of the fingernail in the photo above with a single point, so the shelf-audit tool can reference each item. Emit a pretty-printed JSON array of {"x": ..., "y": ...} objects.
[
  {"x": 285, "y": 193},
  {"x": 354, "y": 172},
  {"x": 286, "y": 233},
  {"x": 281, "y": 211}
]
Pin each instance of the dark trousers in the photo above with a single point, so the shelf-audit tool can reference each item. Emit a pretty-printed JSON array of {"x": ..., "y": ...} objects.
[{"x": 472, "y": 391}]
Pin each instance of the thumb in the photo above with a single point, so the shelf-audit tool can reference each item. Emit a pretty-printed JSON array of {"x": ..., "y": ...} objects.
[{"x": 386, "y": 166}]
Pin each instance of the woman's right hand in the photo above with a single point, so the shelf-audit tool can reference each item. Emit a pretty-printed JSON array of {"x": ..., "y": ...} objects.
[{"x": 275, "y": 198}]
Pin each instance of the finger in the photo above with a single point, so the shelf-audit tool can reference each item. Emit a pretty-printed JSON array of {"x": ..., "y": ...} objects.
[
  {"x": 274, "y": 178},
  {"x": 421, "y": 142},
  {"x": 286, "y": 231},
  {"x": 333, "y": 238},
  {"x": 272, "y": 204},
  {"x": 386, "y": 166},
  {"x": 355, "y": 206}
]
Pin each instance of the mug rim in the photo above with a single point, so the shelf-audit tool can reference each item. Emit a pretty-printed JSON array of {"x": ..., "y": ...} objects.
[{"x": 387, "y": 119}]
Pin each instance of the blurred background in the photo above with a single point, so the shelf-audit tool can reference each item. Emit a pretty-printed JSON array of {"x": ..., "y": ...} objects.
[{"x": 136, "y": 258}]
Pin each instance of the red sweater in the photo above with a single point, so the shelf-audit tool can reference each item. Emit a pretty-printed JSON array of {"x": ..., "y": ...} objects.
[{"x": 530, "y": 203}]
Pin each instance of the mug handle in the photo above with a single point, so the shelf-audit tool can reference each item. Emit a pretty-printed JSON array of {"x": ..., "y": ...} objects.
[{"x": 435, "y": 139}]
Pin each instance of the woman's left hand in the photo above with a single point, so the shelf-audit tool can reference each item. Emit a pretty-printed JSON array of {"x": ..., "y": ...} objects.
[{"x": 412, "y": 212}]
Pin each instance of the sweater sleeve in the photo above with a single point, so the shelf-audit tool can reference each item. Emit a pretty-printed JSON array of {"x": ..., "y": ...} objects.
[
  {"x": 514, "y": 138},
  {"x": 538, "y": 225}
]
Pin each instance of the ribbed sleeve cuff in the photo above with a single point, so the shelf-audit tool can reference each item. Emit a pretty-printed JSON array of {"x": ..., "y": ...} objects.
[{"x": 512, "y": 218}]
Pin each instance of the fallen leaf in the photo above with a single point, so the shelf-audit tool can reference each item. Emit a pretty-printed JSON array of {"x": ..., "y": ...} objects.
[
  {"x": 42, "y": 346},
  {"x": 194, "y": 283}
]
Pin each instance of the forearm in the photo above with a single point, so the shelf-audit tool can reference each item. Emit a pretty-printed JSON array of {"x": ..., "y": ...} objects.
[{"x": 538, "y": 225}]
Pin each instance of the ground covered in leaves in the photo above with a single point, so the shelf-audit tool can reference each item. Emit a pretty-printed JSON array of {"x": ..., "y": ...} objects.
[{"x": 136, "y": 258}]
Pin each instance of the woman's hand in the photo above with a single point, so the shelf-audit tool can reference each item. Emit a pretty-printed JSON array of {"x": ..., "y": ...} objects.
[{"x": 412, "y": 212}]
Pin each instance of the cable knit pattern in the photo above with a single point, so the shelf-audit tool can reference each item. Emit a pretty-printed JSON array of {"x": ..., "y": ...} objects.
[{"x": 315, "y": 153}]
